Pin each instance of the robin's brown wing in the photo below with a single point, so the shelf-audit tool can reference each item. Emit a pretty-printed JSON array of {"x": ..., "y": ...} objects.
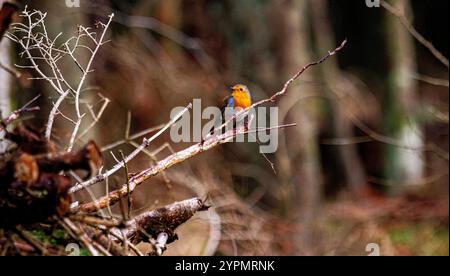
[{"x": 227, "y": 102}]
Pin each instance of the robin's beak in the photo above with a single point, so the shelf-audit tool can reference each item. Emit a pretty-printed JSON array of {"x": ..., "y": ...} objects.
[{"x": 231, "y": 88}]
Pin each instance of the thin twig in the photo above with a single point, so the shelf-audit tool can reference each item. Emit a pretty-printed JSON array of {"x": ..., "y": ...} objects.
[
  {"x": 31, "y": 240},
  {"x": 79, "y": 235},
  {"x": 131, "y": 156},
  {"x": 422, "y": 40},
  {"x": 127, "y": 179},
  {"x": 395, "y": 142},
  {"x": 432, "y": 80},
  {"x": 132, "y": 137},
  {"x": 96, "y": 117}
]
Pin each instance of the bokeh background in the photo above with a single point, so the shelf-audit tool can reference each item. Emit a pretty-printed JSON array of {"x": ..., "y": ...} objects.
[{"x": 367, "y": 162}]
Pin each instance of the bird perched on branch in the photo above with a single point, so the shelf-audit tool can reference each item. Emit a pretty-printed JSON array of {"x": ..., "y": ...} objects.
[{"x": 239, "y": 98}]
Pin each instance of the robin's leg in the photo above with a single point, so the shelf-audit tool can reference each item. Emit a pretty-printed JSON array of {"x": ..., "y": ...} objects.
[{"x": 248, "y": 122}]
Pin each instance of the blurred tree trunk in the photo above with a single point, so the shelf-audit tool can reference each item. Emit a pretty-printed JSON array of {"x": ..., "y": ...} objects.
[
  {"x": 401, "y": 103},
  {"x": 337, "y": 88},
  {"x": 6, "y": 79},
  {"x": 170, "y": 13},
  {"x": 298, "y": 155}
]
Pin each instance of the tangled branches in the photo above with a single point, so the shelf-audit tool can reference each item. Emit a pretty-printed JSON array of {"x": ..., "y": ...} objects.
[
  {"x": 45, "y": 54},
  {"x": 30, "y": 170}
]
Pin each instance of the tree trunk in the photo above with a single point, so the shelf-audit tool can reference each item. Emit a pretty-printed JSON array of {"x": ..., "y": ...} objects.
[
  {"x": 400, "y": 165},
  {"x": 6, "y": 79},
  {"x": 299, "y": 161},
  {"x": 338, "y": 89}
]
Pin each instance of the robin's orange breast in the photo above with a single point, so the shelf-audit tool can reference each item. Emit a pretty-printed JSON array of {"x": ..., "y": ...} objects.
[{"x": 241, "y": 99}]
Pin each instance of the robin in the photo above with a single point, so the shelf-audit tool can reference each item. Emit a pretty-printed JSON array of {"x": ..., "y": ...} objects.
[{"x": 239, "y": 98}]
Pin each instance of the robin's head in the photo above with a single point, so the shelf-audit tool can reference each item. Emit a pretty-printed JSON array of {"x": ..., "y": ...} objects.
[
  {"x": 241, "y": 96},
  {"x": 241, "y": 89}
]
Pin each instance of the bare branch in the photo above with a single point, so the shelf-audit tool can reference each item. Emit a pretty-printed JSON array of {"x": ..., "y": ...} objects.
[
  {"x": 89, "y": 65},
  {"x": 422, "y": 40},
  {"x": 162, "y": 220},
  {"x": 131, "y": 138},
  {"x": 176, "y": 158},
  {"x": 96, "y": 117},
  {"x": 16, "y": 114},
  {"x": 74, "y": 133},
  {"x": 131, "y": 156},
  {"x": 44, "y": 56},
  {"x": 432, "y": 80}
]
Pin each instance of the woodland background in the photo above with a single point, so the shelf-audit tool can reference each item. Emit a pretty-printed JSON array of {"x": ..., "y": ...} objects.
[{"x": 367, "y": 162}]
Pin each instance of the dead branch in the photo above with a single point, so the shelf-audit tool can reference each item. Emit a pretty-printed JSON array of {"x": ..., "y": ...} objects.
[
  {"x": 78, "y": 234},
  {"x": 16, "y": 114},
  {"x": 176, "y": 158},
  {"x": 30, "y": 140},
  {"x": 31, "y": 178},
  {"x": 157, "y": 227},
  {"x": 162, "y": 220},
  {"x": 131, "y": 138},
  {"x": 432, "y": 80},
  {"x": 89, "y": 159},
  {"x": 45, "y": 57},
  {"x": 131, "y": 156}
]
